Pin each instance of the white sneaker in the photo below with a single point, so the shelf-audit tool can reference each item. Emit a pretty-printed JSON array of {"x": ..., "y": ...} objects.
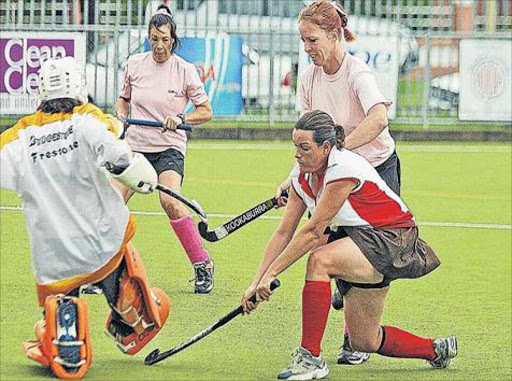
[
  {"x": 446, "y": 350},
  {"x": 348, "y": 356},
  {"x": 305, "y": 366}
]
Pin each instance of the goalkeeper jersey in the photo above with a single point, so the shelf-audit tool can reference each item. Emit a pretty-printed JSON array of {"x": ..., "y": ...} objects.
[{"x": 75, "y": 218}]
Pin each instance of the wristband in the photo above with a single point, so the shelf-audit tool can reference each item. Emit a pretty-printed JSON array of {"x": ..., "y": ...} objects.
[{"x": 182, "y": 117}]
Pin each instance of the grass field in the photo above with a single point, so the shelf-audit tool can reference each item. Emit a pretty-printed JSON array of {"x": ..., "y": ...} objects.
[{"x": 460, "y": 194}]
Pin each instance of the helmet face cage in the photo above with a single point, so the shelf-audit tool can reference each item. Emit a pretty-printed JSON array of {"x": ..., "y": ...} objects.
[{"x": 62, "y": 78}]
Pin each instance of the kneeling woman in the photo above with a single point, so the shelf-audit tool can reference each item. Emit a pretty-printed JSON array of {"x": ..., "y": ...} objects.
[{"x": 342, "y": 190}]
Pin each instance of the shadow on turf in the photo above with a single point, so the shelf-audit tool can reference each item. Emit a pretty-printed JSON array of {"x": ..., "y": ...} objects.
[
  {"x": 407, "y": 374},
  {"x": 37, "y": 370}
]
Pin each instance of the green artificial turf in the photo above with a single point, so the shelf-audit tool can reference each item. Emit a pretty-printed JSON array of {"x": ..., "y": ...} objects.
[{"x": 444, "y": 184}]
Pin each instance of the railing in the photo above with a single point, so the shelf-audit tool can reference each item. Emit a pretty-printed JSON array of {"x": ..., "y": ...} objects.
[{"x": 427, "y": 85}]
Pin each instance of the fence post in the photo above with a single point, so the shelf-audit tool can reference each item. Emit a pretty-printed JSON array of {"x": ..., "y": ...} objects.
[
  {"x": 426, "y": 88},
  {"x": 271, "y": 116}
]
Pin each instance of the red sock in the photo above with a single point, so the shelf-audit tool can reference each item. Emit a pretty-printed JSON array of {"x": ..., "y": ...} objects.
[
  {"x": 398, "y": 343},
  {"x": 316, "y": 301}
]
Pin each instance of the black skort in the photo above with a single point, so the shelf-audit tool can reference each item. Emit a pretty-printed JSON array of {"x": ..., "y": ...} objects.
[{"x": 168, "y": 160}]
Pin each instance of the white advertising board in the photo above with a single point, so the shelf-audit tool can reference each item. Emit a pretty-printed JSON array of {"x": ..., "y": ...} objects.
[
  {"x": 485, "y": 92},
  {"x": 381, "y": 54},
  {"x": 21, "y": 56}
]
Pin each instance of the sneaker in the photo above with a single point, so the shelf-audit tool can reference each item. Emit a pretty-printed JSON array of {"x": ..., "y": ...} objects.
[
  {"x": 203, "y": 282},
  {"x": 348, "y": 356},
  {"x": 305, "y": 366},
  {"x": 337, "y": 300},
  {"x": 446, "y": 350},
  {"x": 90, "y": 289}
]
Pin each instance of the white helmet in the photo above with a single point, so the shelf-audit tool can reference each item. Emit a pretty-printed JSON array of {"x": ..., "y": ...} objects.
[{"x": 62, "y": 78}]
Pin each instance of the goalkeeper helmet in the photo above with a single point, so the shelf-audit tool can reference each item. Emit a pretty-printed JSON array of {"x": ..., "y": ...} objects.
[{"x": 62, "y": 78}]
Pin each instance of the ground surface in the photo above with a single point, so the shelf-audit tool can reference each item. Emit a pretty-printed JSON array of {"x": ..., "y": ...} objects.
[{"x": 460, "y": 194}]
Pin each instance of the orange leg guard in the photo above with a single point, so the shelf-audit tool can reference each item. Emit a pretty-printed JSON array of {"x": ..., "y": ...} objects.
[
  {"x": 63, "y": 340},
  {"x": 143, "y": 309}
]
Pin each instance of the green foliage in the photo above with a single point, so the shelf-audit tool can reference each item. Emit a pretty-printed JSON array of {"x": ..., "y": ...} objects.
[{"x": 469, "y": 295}]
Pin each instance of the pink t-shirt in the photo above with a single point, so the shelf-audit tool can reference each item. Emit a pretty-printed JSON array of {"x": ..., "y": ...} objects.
[
  {"x": 347, "y": 96},
  {"x": 156, "y": 91}
]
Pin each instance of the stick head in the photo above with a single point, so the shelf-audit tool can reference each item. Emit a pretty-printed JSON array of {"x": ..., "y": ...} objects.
[{"x": 152, "y": 357}]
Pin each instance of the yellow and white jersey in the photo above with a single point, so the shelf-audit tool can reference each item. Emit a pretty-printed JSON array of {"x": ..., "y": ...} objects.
[{"x": 76, "y": 219}]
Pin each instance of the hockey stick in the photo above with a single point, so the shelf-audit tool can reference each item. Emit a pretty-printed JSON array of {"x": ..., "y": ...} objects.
[
  {"x": 156, "y": 356},
  {"x": 194, "y": 205},
  {"x": 239, "y": 221},
  {"x": 155, "y": 123}
]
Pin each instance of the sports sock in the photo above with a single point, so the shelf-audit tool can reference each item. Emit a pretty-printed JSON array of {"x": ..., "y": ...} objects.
[
  {"x": 187, "y": 232},
  {"x": 399, "y": 343},
  {"x": 316, "y": 301}
]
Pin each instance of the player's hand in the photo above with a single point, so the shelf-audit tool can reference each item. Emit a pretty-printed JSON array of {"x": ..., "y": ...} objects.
[
  {"x": 171, "y": 123},
  {"x": 121, "y": 116},
  {"x": 246, "y": 303},
  {"x": 263, "y": 289},
  {"x": 282, "y": 199}
]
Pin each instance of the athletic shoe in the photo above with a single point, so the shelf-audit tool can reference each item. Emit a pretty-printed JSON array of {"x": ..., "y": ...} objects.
[
  {"x": 348, "y": 356},
  {"x": 203, "y": 282},
  {"x": 446, "y": 350},
  {"x": 90, "y": 289},
  {"x": 305, "y": 366},
  {"x": 337, "y": 300}
]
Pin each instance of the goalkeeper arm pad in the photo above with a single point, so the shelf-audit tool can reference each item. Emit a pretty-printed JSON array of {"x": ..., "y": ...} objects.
[{"x": 139, "y": 176}]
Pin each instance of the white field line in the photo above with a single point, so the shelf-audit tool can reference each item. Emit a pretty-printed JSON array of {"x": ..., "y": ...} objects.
[
  {"x": 401, "y": 148},
  {"x": 230, "y": 216}
]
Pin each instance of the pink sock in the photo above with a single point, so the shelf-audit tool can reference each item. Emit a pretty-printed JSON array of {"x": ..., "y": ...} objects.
[{"x": 186, "y": 230}]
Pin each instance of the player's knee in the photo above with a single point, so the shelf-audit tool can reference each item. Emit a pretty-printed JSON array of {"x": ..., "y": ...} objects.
[
  {"x": 63, "y": 340},
  {"x": 318, "y": 264},
  {"x": 363, "y": 342}
]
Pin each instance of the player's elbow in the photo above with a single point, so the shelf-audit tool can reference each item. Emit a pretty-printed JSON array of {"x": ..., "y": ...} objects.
[
  {"x": 314, "y": 234},
  {"x": 380, "y": 121}
]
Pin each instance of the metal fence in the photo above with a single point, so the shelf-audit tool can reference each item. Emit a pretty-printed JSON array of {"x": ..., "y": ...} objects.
[{"x": 428, "y": 32}]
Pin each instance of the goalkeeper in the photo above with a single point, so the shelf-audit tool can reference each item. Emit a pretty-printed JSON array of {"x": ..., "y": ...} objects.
[{"x": 60, "y": 160}]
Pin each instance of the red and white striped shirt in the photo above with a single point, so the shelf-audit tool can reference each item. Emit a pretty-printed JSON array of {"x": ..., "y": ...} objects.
[{"x": 371, "y": 203}]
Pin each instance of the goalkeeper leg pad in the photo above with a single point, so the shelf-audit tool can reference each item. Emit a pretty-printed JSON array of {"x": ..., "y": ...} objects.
[
  {"x": 63, "y": 340},
  {"x": 142, "y": 310}
]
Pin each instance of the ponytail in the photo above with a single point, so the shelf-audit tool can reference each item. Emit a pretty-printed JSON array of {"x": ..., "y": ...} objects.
[
  {"x": 340, "y": 136},
  {"x": 323, "y": 127}
]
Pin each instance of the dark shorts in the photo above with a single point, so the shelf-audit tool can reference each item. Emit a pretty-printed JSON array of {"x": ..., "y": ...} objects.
[
  {"x": 395, "y": 252},
  {"x": 168, "y": 160},
  {"x": 390, "y": 172}
]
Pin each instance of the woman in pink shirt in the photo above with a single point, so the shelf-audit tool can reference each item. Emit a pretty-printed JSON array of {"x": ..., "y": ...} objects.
[
  {"x": 158, "y": 86},
  {"x": 344, "y": 87}
]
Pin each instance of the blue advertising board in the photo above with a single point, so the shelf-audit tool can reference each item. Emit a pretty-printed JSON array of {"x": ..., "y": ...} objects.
[{"x": 218, "y": 59}]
